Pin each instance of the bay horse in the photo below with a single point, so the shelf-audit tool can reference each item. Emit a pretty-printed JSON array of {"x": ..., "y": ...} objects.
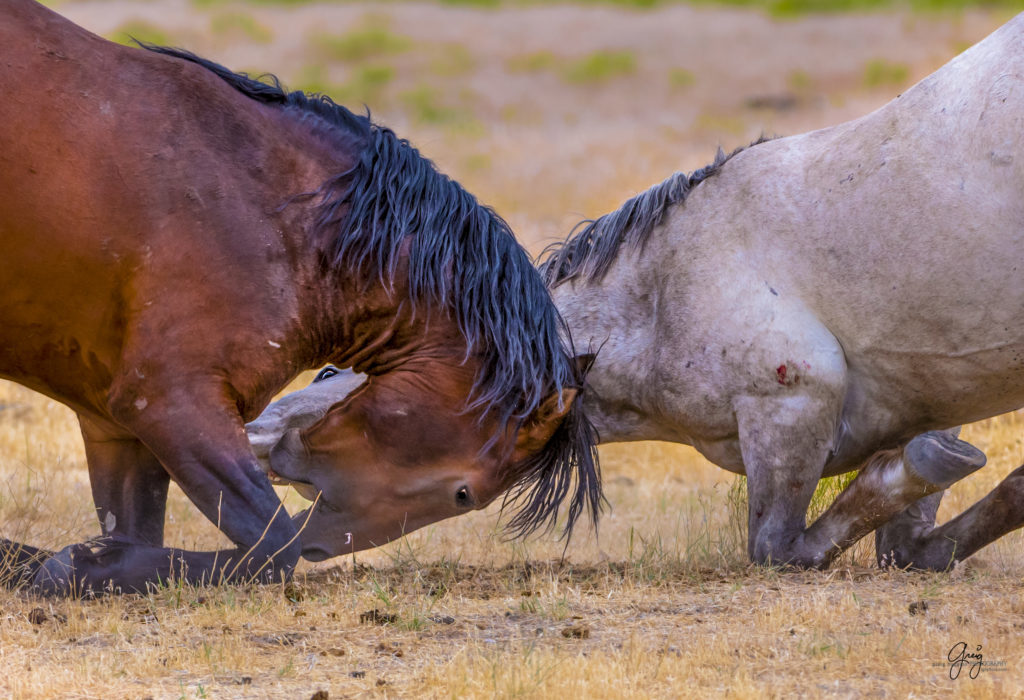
[
  {"x": 178, "y": 241},
  {"x": 806, "y": 306}
]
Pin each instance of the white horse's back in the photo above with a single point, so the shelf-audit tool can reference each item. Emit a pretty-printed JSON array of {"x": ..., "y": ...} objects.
[{"x": 901, "y": 232}]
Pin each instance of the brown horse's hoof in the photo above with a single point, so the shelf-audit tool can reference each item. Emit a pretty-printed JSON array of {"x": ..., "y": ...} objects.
[
  {"x": 941, "y": 459},
  {"x": 58, "y": 576}
]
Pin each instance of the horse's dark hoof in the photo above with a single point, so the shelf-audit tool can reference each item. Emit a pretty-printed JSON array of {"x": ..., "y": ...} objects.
[
  {"x": 941, "y": 459},
  {"x": 58, "y": 576},
  {"x": 902, "y": 559},
  {"x": 898, "y": 542}
]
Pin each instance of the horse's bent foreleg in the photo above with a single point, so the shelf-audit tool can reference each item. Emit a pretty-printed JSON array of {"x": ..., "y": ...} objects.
[
  {"x": 785, "y": 444},
  {"x": 894, "y": 483},
  {"x": 205, "y": 451},
  {"x": 939, "y": 548},
  {"x": 129, "y": 485},
  {"x": 111, "y": 565}
]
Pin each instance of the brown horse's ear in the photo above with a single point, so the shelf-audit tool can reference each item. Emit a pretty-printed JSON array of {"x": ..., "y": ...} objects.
[
  {"x": 540, "y": 426},
  {"x": 584, "y": 363}
]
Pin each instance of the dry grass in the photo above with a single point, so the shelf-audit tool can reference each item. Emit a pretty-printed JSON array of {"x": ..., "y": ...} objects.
[{"x": 663, "y": 603}]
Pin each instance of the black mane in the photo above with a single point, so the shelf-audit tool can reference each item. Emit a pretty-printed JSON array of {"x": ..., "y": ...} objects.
[
  {"x": 465, "y": 258},
  {"x": 593, "y": 245}
]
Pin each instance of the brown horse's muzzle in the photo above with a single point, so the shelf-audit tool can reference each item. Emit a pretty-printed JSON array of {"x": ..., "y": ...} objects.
[
  {"x": 286, "y": 460},
  {"x": 313, "y": 549},
  {"x": 322, "y": 527}
]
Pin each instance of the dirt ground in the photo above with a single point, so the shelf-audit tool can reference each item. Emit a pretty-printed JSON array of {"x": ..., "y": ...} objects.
[{"x": 551, "y": 113}]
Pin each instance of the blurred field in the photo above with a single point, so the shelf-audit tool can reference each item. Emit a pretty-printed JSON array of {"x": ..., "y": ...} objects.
[{"x": 550, "y": 113}]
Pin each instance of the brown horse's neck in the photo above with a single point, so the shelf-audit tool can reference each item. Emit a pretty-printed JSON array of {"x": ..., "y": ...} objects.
[
  {"x": 337, "y": 319},
  {"x": 377, "y": 329}
]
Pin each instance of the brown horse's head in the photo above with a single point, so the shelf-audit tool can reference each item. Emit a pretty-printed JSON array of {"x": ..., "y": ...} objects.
[
  {"x": 471, "y": 372},
  {"x": 384, "y": 455}
]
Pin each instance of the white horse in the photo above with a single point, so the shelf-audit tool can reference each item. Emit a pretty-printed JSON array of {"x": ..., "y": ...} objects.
[{"x": 830, "y": 301}]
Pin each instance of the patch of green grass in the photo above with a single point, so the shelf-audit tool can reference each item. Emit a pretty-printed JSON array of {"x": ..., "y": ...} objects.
[
  {"x": 721, "y": 124},
  {"x": 826, "y": 492},
  {"x": 600, "y": 67},
  {"x": 215, "y": 3},
  {"x": 879, "y": 72},
  {"x": 799, "y": 8},
  {"x": 426, "y": 106},
  {"x": 681, "y": 78},
  {"x": 473, "y": 3},
  {"x": 238, "y": 24},
  {"x": 143, "y": 31},
  {"x": 362, "y": 44},
  {"x": 452, "y": 60},
  {"x": 314, "y": 78},
  {"x": 478, "y": 162},
  {"x": 532, "y": 62},
  {"x": 800, "y": 81},
  {"x": 828, "y": 646},
  {"x": 366, "y": 86},
  {"x": 636, "y": 4},
  {"x": 520, "y": 114}
]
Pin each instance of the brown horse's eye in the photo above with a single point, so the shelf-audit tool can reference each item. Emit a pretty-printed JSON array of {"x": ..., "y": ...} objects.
[{"x": 462, "y": 498}]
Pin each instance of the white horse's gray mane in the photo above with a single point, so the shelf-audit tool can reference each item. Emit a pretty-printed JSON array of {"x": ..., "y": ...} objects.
[{"x": 593, "y": 245}]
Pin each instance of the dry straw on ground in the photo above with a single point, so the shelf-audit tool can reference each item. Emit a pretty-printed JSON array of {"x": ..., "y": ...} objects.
[{"x": 549, "y": 113}]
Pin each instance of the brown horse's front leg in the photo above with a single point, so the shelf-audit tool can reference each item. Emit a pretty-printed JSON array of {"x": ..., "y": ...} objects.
[
  {"x": 113, "y": 565},
  {"x": 202, "y": 445},
  {"x": 129, "y": 485},
  {"x": 129, "y": 488}
]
